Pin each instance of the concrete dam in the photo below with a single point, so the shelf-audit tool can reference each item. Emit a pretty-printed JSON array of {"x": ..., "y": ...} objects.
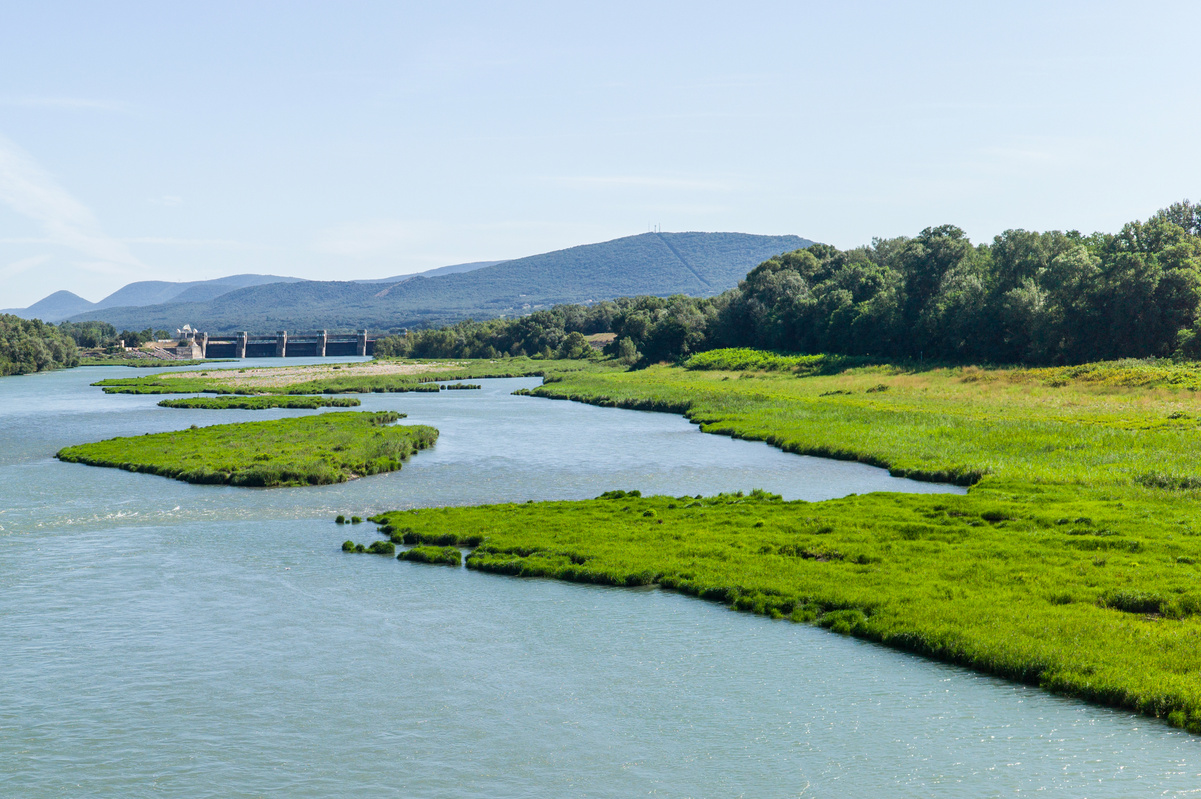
[{"x": 282, "y": 345}]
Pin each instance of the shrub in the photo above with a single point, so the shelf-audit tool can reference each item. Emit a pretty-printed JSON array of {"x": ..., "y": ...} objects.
[
  {"x": 1132, "y": 601},
  {"x": 620, "y": 494},
  {"x": 439, "y": 556}
]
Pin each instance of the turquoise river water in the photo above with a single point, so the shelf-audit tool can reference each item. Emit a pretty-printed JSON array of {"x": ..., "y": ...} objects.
[{"x": 159, "y": 639}]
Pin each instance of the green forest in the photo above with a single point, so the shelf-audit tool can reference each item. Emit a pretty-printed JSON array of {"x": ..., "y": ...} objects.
[
  {"x": 1026, "y": 297},
  {"x": 102, "y": 335},
  {"x": 31, "y": 345}
]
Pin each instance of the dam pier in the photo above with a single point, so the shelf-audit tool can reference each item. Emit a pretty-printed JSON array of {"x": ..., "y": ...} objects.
[{"x": 281, "y": 344}]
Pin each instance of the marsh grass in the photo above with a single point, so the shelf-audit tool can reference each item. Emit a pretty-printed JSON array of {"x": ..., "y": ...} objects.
[
  {"x": 741, "y": 359},
  {"x": 309, "y": 450},
  {"x": 261, "y": 403},
  {"x": 1070, "y": 564},
  {"x": 1126, "y": 423},
  {"x": 222, "y": 382},
  {"x": 940, "y": 575},
  {"x": 435, "y": 555},
  {"x": 376, "y": 548}
]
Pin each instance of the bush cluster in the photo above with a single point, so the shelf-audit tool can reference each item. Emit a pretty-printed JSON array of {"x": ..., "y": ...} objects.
[{"x": 30, "y": 345}]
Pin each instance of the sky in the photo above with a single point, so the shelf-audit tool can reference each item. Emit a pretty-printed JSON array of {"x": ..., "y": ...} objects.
[{"x": 343, "y": 140}]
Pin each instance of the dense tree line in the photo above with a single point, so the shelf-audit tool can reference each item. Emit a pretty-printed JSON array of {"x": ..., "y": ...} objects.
[
  {"x": 98, "y": 335},
  {"x": 90, "y": 335},
  {"x": 1029, "y": 297},
  {"x": 556, "y": 333},
  {"x": 31, "y": 345}
]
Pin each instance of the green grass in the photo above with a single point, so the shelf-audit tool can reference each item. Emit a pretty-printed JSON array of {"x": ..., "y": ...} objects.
[
  {"x": 261, "y": 403},
  {"x": 1120, "y": 424},
  {"x": 742, "y": 359},
  {"x": 439, "y": 556},
  {"x": 1072, "y": 563},
  {"x": 350, "y": 378},
  {"x": 309, "y": 450}
]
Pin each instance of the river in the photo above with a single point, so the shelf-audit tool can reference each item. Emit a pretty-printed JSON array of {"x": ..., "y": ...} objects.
[{"x": 160, "y": 639}]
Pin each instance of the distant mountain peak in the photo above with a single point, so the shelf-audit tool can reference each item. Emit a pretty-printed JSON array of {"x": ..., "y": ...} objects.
[
  {"x": 54, "y": 308},
  {"x": 694, "y": 263}
]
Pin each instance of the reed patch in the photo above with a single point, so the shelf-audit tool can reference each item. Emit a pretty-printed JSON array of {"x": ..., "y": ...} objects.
[{"x": 260, "y": 403}]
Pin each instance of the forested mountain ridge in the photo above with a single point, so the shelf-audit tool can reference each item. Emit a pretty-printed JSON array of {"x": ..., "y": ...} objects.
[
  {"x": 153, "y": 292},
  {"x": 441, "y": 270},
  {"x": 651, "y": 263},
  {"x": 64, "y": 304}
]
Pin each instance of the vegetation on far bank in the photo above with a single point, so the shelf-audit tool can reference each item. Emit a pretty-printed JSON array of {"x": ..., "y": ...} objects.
[
  {"x": 30, "y": 345},
  {"x": 1072, "y": 563},
  {"x": 1047, "y": 298},
  {"x": 101, "y": 335},
  {"x": 149, "y": 362},
  {"x": 260, "y": 403},
  {"x": 346, "y": 378},
  {"x": 308, "y": 450}
]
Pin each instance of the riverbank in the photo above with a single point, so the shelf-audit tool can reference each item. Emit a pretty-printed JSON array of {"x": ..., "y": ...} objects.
[
  {"x": 1071, "y": 563},
  {"x": 344, "y": 378},
  {"x": 309, "y": 450},
  {"x": 199, "y": 594},
  {"x": 146, "y": 361}
]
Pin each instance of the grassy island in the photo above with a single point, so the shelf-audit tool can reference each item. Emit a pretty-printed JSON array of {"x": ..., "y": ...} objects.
[
  {"x": 309, "y": 450},
  {"x": 261, "y": 403},
  {"x": 146, "y": 362},
  {"x": 344, "y": 378},
  {"x": 1073, "y": 563}
]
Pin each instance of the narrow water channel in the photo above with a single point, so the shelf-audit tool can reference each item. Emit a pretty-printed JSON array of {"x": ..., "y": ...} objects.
[{"x": 162, "y": 639}]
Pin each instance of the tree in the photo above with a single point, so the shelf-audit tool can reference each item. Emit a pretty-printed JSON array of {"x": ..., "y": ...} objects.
[
  {"x": 626, "y": 352},
  {"x": 31, "y": 345},
  {"x": 575, "y": 346}
]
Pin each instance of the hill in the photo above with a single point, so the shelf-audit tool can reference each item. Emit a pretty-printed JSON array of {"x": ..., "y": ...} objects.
[
  {"x": 53, "y": 308},
  {"x": 63, "y": 304},
  {"x": 154, "y": 292},
  {"x": 697, "y": 264},
  {"x": 441, "y": 270}
]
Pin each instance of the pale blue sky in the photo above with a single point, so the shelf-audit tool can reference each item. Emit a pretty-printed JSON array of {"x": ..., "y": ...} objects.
[{"x": 336, "y": 140}]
